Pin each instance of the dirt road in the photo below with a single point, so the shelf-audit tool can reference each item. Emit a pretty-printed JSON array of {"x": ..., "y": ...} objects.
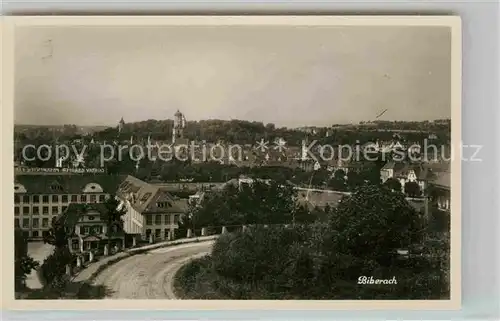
[{"x": 149, "y": 275}]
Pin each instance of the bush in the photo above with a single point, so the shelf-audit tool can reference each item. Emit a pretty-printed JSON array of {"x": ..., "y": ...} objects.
[
  {"x": 54, "y": 266},
  {"x": 23, "y": 267},
  {"x": 324, "y": 260},
  {"x": 302, "y": 262}
]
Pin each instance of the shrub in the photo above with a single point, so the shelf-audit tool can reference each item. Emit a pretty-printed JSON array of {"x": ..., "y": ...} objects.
[{"x": 54, "y": 266}]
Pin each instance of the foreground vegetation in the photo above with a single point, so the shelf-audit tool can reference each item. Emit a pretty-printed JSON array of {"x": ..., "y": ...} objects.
[{"x": 324, "y": 259}]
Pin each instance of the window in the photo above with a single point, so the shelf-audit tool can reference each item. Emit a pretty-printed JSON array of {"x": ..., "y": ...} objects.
[
  {"x": 17, "y": 199},
  {"x": 56, "y": 187},
  {"x": 83, "y": 198},
  {"x": 16, "y": 223},
  {"x": 45, "y": 210},
  {"x": 55, "y": 198},
  {"x": 55, "y": 210},
  {"x": 176, "y": 219},
  {"x": 36, "y": 199},
  {"x": 92, "y": 198},
  {"x": 26, "y": 199},
  {"x": 149, "y": 220},
  {"x": 74, "y": 198},
  {"x": 16, "y": 210},
  {"x": 158, "y": 219},
  {"x": 124, "y": 185},
  {"x": 167, "y": 219},
  {"x": 157, "y": 233},
  {"x": 35, "y": 234},
  {"x": 86, "y": 230},
  {"x": 75, "y": 245},
  {"x": 102, "y": 198},
  {"x": 164, "y": 204},
  {"x": 65, "y": 198},
  {"x": 45, "y": 222},
  {"x": 36, "y": 210},
  {"x": 26, "y": 209},
  {"x": 145, "y": 197},
  {"x": 64, "y": 209},
  {"x": 97, "y": 229},
  {"x": 166, "y": 231},
  {"x": 35, "y": 222},
  {"x": 45, "y": 198},
  {"x": 91, "y": 218},
  {"x": 26, "y": 222}
]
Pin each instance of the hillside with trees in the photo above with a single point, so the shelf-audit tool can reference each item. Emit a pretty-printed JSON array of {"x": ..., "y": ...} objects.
[
  {"x": 325, "y": 259},
  {"x": 245, "y": 132}
]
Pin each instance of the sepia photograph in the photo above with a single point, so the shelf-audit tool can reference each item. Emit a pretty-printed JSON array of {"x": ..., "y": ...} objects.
[{"x": 172, "y": 159}]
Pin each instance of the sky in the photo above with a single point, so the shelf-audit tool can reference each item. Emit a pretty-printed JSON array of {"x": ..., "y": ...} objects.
[{"x": 289, "y": 76}]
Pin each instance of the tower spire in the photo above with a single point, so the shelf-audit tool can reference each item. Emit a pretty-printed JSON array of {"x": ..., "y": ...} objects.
[{"x": 179, "y": 126}]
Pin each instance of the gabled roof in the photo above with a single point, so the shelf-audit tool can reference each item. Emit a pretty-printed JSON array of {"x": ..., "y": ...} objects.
[
  {"x": 144, "y": 197},
  {"x": 75, "y": 211},
  {"x": 402, "y": 170},
  {"x": 67, "y": 184}
]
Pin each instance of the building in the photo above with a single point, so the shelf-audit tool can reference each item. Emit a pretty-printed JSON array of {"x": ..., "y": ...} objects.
[
  {"x": 121, "y": 124},
  {"x": 88, "y": 228},
  {"x": 243, "y": 181},
  {"x": 178, "y": 129},
  {"x": 151, "y": 212},
  {"x": 38, "y": 199},
  {"x": 405, "y": 172},
  {"x": 442, "y": 194}
]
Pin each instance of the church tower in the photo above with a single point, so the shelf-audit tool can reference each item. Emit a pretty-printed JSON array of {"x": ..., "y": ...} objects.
[
  {"x": 120, "y": 125},
  {"x": 179, "y": 126}
]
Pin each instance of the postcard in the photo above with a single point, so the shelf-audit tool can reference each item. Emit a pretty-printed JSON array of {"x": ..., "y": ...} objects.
[{"x": 230, "y": 162}]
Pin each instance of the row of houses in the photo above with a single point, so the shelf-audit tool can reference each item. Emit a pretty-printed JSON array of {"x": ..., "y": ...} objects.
[{"x": 151, "y": 211}]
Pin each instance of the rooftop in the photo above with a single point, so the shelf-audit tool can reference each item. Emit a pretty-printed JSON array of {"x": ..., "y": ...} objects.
[
  {"x": 65, "y": 184},
  {"x": 74, "y": 213},
  {"x": 145, "y": 197}
]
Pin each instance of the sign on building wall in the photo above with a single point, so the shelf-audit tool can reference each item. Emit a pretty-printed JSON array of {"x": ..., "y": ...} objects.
[{"x": 33, "y": 170}]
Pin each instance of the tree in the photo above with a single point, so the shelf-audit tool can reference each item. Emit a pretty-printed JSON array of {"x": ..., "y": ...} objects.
[
  {"x": 113, "y": 217},
  {"x": 23, "y": 263},
  {"x": 393, "y": 184},
  {"x": 53, "y": 268},
  {"x": 257, "y": 203},
  {"x": 338, "y": 181},
  {"x": 412, "y": 189},
  {"x": 57, "y": 234},
  {"x": 325, "y": 260},
  {"x": 373, "y": 222}
]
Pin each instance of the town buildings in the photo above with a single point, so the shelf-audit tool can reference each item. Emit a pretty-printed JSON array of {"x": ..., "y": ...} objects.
[
  {"x": 405, "y": 172},
  {"x": 442, "y": 191},
  {"x": 88, "y": 227},
  {"x": 152, "y": 213},
  {"x": 38, "y": 199}
]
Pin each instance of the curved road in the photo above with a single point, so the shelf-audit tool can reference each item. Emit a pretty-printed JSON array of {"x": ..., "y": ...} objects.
[{"x": 149, "y": 275}]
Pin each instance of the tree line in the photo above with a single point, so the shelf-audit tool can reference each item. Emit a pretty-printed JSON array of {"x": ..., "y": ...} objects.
[
  {"x": 320, "y": 257},
  {"x": 244, "y": 132}
]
